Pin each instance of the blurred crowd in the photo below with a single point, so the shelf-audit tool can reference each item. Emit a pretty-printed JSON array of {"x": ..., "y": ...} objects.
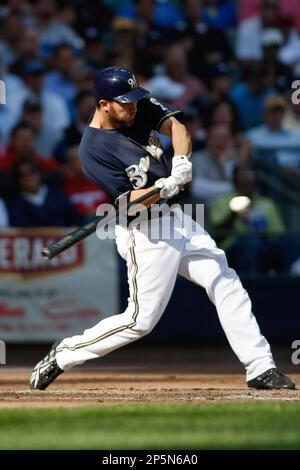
[{"x": 231, "y": 66}]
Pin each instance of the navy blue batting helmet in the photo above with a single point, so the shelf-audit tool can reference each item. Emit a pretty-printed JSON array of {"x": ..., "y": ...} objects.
[{"x": 118, "y": 84}]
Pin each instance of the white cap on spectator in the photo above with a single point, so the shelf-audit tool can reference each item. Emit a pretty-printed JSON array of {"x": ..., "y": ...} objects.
[
  {"x": 271, "y": 37},
  {"x": 164, "y": 88}
]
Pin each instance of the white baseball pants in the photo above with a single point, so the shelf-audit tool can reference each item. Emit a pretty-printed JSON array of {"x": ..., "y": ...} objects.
[{"x": 153, "y": 264}]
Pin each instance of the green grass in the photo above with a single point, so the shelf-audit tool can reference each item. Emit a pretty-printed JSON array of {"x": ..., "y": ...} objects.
[{"x": 153, "y": 426}]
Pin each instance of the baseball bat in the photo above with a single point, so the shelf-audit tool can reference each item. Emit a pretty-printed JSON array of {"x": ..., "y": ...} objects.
[{"x": 80, "y": 233}]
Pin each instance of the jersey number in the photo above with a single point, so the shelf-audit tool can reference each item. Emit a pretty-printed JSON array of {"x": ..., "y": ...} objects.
[{"x": 137, "y": 174}]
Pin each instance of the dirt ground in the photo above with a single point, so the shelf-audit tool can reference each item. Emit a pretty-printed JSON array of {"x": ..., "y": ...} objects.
[{"x": 139, "y": 375}]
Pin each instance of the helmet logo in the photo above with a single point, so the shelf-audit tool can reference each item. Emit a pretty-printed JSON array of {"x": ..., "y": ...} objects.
[{"x": 132, "y": 82}]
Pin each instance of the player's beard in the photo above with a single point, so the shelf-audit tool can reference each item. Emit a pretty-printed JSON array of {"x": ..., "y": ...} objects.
[{"x": 117, "y": 121}]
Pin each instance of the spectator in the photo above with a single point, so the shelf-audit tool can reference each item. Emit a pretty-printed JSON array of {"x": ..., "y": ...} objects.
[
  {"x": 176, "y": 85},
  {"x": 271, "y": 40},
  {"x": 141, "y": 12},
  {"x": 206, "y": 46},
  {"x": 27, "y": 50},
  {"x": 165, "y": 89},
  {"x": 150, "y": 54},
  {"x": 84, "y": 194},
  {"x": 82, "y": 77},
  {"x": 121, "y": 58},
  {"x": 53, "y": 31},
  {"x": 213, "y": 167},
  {"x": 45, "y": 136},
  {"x": 22, "y": 144},
  {"x": 93, "y": 52},
  {"x": 85, "y": 106},
  {"x": 60, "y": 80},
  {"x": 123, "y": 34},
  {"x": 12, "y": 34},
  {"x": 219, "y": 14},
  {"x": 19, "y": 7},
  {"x": 195, "y": 126},
  {"x": 249, "y": 95},
  {"x": 36, "y": 204},
  {"x": 272, "y": 140},
  {"x": 255, "y": 240},
  {"x": 291, "y": 118},
  {"x": 224, "y": 111},
  {"x": 3, "y": 214},
  {"x": 55, "y": 117},
  {"x": 11, "y": 111},
  {"x": 148, "y": 12},
  {"x": 91, "y": 13},
  {"x": 218, "y": 80},
  {"x": 177, "y": 69},
  {"x": 289, "y": 52},
  {"x": 249, "y": 32},
  {"x": 249, "y": 8},
  {"x": 67, "y": 13}
]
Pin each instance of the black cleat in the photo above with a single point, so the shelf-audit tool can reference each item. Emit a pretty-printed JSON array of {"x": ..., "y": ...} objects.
[
  {"x": 45, "y": 371},
  {"x": 271, "y": 379}
]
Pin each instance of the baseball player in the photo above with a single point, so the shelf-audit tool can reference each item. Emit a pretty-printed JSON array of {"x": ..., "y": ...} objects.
[{"x": 121, "y": 152}]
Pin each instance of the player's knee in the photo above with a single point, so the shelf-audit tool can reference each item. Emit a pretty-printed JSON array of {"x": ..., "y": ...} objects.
[
  {"x": 222, "y": 259},
  {"x": 218, "y": 267},
  {"x": 146, "y": 318},
  {"x": 143, "y": 330},
  {"x": 218, "y": 273},
  {"x": 144, "y": 327}
]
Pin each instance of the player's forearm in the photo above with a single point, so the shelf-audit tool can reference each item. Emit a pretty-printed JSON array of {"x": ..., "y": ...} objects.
[
  {"x": 140, "y": 192},
  {"x": 181, "y": 140}
]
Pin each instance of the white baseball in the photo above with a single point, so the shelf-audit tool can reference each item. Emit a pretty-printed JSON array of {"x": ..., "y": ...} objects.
[{"x": 239, "y": 203}]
